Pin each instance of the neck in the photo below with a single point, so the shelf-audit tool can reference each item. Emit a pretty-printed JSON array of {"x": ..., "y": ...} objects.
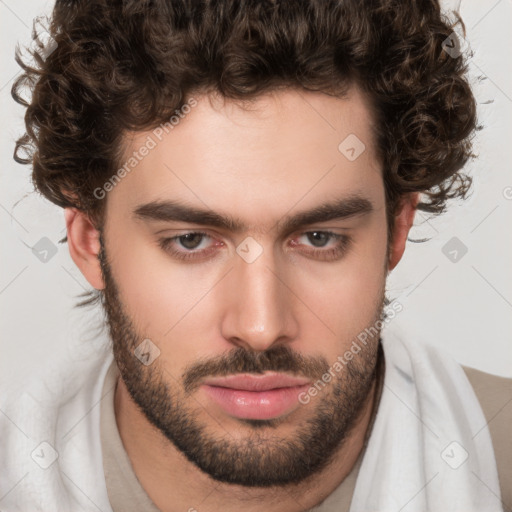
[{"x": 175, "y": 484}]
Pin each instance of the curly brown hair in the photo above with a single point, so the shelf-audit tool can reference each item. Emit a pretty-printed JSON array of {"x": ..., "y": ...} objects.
[{"x": 122, "y": 65}]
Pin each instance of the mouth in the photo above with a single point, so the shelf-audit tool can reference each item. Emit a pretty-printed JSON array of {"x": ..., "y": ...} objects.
[{"x": 256, "y": 397}]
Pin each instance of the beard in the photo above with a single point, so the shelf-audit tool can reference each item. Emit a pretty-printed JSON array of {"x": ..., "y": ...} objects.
[{"x": 262, "y": 458}]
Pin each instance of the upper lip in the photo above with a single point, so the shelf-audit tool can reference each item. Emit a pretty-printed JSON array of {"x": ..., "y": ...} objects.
[{"x": 251, "y": 382}]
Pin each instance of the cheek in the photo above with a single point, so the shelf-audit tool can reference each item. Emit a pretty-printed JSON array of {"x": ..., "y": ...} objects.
[
  {"x": 345, "y": 296},
  {"x": 166, "y": 302},
  {"x": 155, "y": 292}
]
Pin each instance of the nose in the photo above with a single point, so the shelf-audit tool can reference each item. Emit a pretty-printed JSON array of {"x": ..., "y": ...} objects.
[{"x": 259, "y": 307}]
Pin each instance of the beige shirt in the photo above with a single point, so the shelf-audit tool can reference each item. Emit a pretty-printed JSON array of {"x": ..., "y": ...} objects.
[{"x": 127, "y": 495}]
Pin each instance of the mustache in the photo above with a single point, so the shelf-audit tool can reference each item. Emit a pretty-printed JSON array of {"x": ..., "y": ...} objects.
[{"x": 240, "y": 360}]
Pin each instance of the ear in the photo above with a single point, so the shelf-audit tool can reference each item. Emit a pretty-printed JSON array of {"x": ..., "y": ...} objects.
[
  {"x": 84, "y": 246},
  {"x": 403, "y": 222}
]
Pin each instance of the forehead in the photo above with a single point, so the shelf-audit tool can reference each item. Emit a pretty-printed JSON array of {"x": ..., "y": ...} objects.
[{"x": 259, "y": 158}]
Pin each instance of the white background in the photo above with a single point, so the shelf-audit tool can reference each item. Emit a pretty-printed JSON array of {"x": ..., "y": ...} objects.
[{"x": 464, "y": 307}]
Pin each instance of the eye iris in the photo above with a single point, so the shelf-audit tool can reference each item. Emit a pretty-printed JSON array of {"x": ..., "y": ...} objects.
[
  {"x": 318, "y": 239},
  {"x": 191, "y": 240}
]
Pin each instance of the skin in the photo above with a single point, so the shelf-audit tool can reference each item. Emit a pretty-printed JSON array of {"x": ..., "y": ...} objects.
[{"x": 259, "y": 164}]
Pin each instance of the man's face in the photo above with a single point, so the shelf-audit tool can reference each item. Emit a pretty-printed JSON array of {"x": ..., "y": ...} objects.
[{"x": 267, "y": 298}]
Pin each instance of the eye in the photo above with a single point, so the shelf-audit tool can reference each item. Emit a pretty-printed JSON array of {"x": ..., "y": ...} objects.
[
  {"x": 191, "y": 240},
  {"x": 326, "y": 244},
  {"x": 318, "y": 238},
  {"x": 188, "y": 245}
]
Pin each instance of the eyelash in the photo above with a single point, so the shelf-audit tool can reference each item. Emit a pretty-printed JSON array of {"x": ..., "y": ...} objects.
[{"x": 334, "y": 253}]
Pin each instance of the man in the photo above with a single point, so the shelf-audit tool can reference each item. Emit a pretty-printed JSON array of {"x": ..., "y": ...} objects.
[{"x": 238, "y": 180}]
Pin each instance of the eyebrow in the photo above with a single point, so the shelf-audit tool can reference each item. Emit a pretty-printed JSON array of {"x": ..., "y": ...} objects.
[{"x": 168, "y": 211}]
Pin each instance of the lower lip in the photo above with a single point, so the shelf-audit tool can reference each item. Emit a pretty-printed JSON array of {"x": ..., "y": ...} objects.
[{"x": 255, "y": 405}]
